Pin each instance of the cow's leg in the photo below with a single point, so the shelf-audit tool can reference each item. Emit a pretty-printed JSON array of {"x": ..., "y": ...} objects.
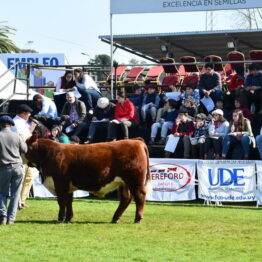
[
  {"x": 139, "y": 194},
  {"x": 69, "y": 208},
  {"x": 125, "y": 199},
  {"x": 62, "y": 208}
]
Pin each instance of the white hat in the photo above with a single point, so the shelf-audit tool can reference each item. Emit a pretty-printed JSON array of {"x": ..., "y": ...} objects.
[
  {"x": 103, "y": 102},
  {"x": 218, "y": 112}
]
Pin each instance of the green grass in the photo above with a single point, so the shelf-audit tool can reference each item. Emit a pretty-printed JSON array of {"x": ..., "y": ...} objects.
[{"x": 169, "y": 232}]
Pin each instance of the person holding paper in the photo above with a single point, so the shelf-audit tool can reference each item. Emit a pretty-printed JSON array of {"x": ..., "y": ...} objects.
[
  {"x": 150, "y": 103},
  {"x": 165, "y": 123},
  {"x": 240, "y": 132},
  {"x": 183, "y": 129},
  {"x": 125, "y": 117},
  {"x": 64, "y": 84},
  {"x": 217, "y": 130},
  {"x": 103, "y": 113},
  {"x": 73, "y": 115},
  {"x": 210, "y": 83},
  {"x": 189, "y": 106}
]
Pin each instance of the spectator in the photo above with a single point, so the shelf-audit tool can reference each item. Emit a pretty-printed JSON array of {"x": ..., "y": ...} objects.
[
  {"x": 193, "y": 94},
  {"x": 73, "y": 115},
  {"x": 240, "y": 132},
  {"x": 55, "y": 133},
  {"x": 137, "y": 99},
  {"x": 259, "y": 143},
  {"x": 210, "y": 83},
  {"x": 103, "y": 113},
  {"x": 253, "y": 84},
  {"x": 245, "y": 110},
  {"x": 150, "y": 103},
  {"x": 64, "y": 84},
  {"x": 165, "y": 123},
  {"x": 189, "y": 106},
  {"x": 46, "y": 108},
  {"x": 74, "y": 140},
  {"x": 220, "y": 105},
  {"x": 237, "y": 84},
  {"x": 124, "y": 116},
  {"x": 184, "y": 129},
  {"x": 217, "y": 130},
  {"x": 199, "y": 137},
  {"x": 25, "y": 128},
  {"x": 88, "y": 89},
  {"x": 11, "y": 169},
  {"x": 64, "y": 139}
]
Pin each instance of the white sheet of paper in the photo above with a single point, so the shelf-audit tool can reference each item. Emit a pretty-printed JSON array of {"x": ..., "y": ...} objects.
[
  {"x": 173, "y": 95},
  {"x": 59, "y": 93},
  {"x": 116, "y": 121},
  {"x": 208, "y": 103},
  {"x": 76, "y": 93},
  {"x": 171, "y": 143}
]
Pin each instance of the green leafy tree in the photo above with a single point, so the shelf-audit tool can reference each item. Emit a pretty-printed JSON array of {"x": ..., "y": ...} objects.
[
  {"x": 6, "y": 44},
  {"x": 102, "y": 60}
]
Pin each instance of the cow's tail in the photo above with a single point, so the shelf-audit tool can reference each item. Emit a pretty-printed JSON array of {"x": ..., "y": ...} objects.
[{"x": 148, "y": 184}]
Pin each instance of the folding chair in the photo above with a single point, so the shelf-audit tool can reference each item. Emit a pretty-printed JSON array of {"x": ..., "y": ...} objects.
[
  {"x": 134, "y": 75},
  {"x": 191, "y": 78},
  {"x": 256, "y": 55},
  {"x": 172, "y": 76},
  {"x": 154, "y": 75},
  {"x": 236, "y": 56}
]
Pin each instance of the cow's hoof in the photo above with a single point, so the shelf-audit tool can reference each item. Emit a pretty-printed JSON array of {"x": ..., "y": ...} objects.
[
  {"x": 59, "y": 221},
  {"x": 69, "y": 221},
  {"x": 114, "y": 221},
  {"x": 137, "y": 221}
]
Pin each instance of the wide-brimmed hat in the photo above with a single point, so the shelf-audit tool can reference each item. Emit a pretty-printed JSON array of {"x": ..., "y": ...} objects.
[
  {"x": 103, "y": 102},
  {"x": 6, "y": 120},
  {"x": 218, "y": 112}
]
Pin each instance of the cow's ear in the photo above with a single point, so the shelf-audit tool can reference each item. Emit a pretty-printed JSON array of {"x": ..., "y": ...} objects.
[{"x": 31, "y": 139}]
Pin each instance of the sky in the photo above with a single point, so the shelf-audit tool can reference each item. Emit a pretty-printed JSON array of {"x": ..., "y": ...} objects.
[{"x": 72, "y": 28}]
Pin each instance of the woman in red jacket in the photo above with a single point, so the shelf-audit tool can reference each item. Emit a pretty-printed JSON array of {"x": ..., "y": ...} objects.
[{"x": 125, "y": 116}]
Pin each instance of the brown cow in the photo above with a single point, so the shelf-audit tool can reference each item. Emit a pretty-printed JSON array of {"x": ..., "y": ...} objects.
[{"x": 97, "y": 168}]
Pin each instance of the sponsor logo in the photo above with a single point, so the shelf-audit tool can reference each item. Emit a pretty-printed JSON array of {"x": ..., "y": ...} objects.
[{"x": 169, "y": 177}]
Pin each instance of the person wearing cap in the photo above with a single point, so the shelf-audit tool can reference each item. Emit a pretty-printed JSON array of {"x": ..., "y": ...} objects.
[
  {"x": 199, "y": 137},
  {"x": 125, "y": 117},
  {"x": 88, "y": 89},
  {"x": 165, "y": 123},
  {"x": 253, "y": 85},
  {"x": 25, "y": 128},
  {"x": 210, "y": 84},
  {"x": 103, "y": 113},
  {"x": 73, "y": 115},
  {"x": 217, "y": 130},
  {"x": 184, "y": 129},
  {"x": 150, "y": 103},
  {"x": 11, "y": 169},
  {"x": 45, "y": 106},
  {"x": 240, "y": 133}
]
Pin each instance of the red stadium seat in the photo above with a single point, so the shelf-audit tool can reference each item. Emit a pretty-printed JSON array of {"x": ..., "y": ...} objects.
[
  {"x": 134, "y": 75},
  {"x": 236, "y": 56},
  {"x": 256, "y": 55}
]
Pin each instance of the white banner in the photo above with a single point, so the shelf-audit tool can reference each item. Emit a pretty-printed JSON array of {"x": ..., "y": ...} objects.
[
  {"x": 159, "y": 6},
  {"x": 227, "y": 180},
  {"x": 259, "y": 182},
  {"x": 172, "y": 179}
]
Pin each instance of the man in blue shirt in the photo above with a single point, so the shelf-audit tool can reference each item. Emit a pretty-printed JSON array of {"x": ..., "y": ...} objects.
[
  {"x": 210, "y": 83},
  {"x": 253, "y": 85}
]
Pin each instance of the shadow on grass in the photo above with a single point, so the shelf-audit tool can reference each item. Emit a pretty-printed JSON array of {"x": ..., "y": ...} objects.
[{"x": 54, "y": 222}]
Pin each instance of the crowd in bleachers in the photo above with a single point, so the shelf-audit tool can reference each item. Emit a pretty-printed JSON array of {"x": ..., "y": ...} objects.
[{"x": 209, "y": 120}]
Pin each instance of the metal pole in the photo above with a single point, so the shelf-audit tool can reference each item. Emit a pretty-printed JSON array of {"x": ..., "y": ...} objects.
[{"x": 111, "y": 55}]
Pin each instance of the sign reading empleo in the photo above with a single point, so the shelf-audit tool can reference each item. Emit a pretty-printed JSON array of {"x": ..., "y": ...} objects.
[{"x": 159, "y": 6}]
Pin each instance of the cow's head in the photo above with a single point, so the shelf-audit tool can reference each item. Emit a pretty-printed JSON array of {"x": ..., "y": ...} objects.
[{"x": 32, "y": 152}]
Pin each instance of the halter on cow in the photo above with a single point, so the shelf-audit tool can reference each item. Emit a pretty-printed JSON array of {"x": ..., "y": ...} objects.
[{"x": 97, "y": 168}]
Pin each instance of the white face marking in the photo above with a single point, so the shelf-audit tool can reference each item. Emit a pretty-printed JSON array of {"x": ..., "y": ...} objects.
[{"x": 109, "y": 187}]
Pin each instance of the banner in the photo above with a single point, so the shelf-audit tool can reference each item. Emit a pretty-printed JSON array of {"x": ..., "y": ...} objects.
[
  {"x": 226, "y": 180},
  {"x": 38, "y": 77},
  {"x": 159, "y": 6},
  {"x": 172, "y": 179},
  {"x": 259, "y": 182}
]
